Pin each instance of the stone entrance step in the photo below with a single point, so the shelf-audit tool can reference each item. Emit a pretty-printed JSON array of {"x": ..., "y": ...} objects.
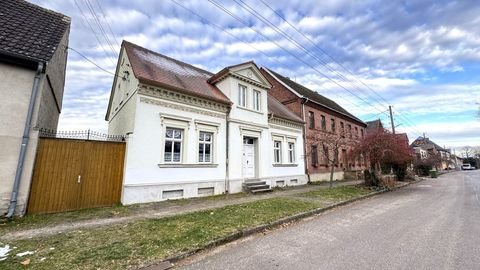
[{"x": 256, "y": 186}]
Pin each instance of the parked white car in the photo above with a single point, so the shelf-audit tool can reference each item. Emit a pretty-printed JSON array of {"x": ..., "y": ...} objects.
[{"x": 467, "y": 167}]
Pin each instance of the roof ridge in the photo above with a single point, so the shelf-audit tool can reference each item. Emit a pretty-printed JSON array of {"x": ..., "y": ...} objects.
[
  {"x": 53, "y": 12},
  {"x": 340, "y": 109},
  {"x": 168, "y": 57}
]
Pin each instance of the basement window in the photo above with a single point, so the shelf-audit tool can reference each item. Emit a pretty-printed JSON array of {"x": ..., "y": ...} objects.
[{"x": 172, "y": 194}]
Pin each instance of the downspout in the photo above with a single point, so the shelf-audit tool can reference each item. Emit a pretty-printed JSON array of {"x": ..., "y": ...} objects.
[
  {"x": 227, "y": 175},
  {"x": 305, "y": 100},
  {"x": 23, "y": 147}
]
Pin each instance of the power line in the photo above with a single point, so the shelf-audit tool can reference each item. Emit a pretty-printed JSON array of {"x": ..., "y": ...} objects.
[
  {"x": 252, "y": 11},
  {"x": 222, "y": 8},
  {"x": 99, "y": 24},
  {"x": 324, "y": 52},
  {"x": 95, "y": 64},
  {"x": 240, "y": 40},
  {"x": 116, "y": 39},
  {"x": 84, "y": 18}
]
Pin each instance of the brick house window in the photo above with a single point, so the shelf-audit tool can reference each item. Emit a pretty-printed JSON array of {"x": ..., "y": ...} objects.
[
  {"x": 311, "y": 118},
  {"x": 333, "y": 125},
  {"x": 323, "y": 123},
  {"x": 314, "y": 155},
  {"x": 361, "y": 132},
  {"x": 356, "y": 132},
  {"x": 350, "y": 131}
]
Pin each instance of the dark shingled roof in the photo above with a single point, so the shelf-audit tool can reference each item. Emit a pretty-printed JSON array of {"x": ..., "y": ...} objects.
[
  {"x": 314, "y": 96},
  {"x": 159, "y": 70},
  {"x": 426, "y": 144},
  {"x": 374, "y": 126},
  {"x": 276, "y": 108},
  {"x": 30, "y": 32}
]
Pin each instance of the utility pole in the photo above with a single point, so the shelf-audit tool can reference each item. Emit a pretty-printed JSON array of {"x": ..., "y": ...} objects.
[{"x": 391, "y": 119}]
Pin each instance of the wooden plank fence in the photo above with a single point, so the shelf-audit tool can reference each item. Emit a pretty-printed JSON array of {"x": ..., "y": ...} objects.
[{"x": 76, "y": 174}]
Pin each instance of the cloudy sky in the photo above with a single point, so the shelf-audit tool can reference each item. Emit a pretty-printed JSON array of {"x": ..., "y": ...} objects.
[{"x": 421, "y": 57}]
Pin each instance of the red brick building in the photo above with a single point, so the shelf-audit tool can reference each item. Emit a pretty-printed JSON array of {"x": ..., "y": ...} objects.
[{"x": 324, "y": 120}]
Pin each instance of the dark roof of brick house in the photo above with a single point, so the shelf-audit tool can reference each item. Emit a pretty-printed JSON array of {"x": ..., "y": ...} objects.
[
  {"x": 30, "y": 32},
  {"x": 375, "y": 125},
  {"x": 276, "y": 108},
  {"x": 159, "y": 70},
  {"x": 314, "y": 96}
]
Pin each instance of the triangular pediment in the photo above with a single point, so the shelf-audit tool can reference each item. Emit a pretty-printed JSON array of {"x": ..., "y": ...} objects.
[{"x": 250, "y": 71}]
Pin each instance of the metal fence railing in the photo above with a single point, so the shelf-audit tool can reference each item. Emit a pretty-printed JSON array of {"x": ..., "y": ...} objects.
[{"x": 80, "y": 135}]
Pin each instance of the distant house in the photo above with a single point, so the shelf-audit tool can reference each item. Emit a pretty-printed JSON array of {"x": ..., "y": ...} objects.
[
  {"x": 33, "y": 57},
  {"x": 324, "y": 119},
  {"x": 441, "y": 156},
  {"x": 375, "y": 126},
  {"x": 194, "y": 133}
]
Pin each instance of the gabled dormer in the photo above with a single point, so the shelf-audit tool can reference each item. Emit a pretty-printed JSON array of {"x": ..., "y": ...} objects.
[{"x": 247, "y": 88}]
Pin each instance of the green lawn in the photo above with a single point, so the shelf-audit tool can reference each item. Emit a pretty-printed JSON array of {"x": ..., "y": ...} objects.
[
  {"x": 123, "y": 245},
  {"x": 42, "y": 220},
  {"x": 337, "y": 194}
]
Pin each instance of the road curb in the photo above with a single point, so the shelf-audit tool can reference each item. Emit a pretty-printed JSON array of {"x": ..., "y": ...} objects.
[{"x": 170, "y": 261}]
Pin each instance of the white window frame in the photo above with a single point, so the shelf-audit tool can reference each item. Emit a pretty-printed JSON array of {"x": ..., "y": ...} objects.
[
  {"x": 174, "y": 141},
  {"x": 277, "y": 152},
  {"x": 242, "y": 96},
  {"x": 257, "y": 99},
  {"x": 291, "y": 151},
  {"x": 204, "y": 143}
]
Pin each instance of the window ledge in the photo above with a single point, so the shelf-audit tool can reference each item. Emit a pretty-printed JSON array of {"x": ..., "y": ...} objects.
[
  {"x": 250, "y": 110},
  {"x": 189, "y": 165},
  {"x": 284, "y": 165}
]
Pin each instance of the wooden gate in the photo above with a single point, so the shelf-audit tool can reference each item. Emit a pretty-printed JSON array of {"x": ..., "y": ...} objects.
[{"x": 76, "y": 174}]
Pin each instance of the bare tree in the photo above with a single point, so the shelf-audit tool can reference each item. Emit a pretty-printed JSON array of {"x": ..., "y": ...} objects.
[
  {"x": 468, "y": 152},
  {"x": 329, "y": 144}
]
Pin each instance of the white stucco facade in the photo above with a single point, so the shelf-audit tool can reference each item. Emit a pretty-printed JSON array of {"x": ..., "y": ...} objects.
[{"x": 166, "y": 156}]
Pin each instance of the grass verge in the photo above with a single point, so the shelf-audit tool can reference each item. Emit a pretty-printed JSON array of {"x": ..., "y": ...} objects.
[
  {"x": 44, "y": 220},
  {"x": 123, "y": 245},
  {"x": 337, "y": 194}
]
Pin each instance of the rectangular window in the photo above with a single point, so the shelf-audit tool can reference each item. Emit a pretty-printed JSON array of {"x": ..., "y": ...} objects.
[
  {"x": 342, "y": 129},
  {"x": 256, "y": 100},
  {"x": 311, "y": 117},
  {"x": 277, "y": 151},
  {"x": 361, "y": 132},
  {"x": 205, "y": 147},
  {"x": 291, "y": 152},
  {"x": 242, "y": 95},
  {"x": 173, "y": 145},
  {"x": 323, "y": 123},
  {"x": 333, "y": 125},
  {"x": 356, "y": 132},
  {"x": 349, "y": 130},
  {"x": 314, "y": 155}
]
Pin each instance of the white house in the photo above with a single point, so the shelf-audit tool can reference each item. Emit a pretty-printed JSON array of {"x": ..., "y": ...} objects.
[
  {"x": 33, "y": 58},
  {"x": 193, "y": 133}
]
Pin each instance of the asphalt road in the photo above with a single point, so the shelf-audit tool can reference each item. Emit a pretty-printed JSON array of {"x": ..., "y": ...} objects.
[{"x": 434, "y": 224}]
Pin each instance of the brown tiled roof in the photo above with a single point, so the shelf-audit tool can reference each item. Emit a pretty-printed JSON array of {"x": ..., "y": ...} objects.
[
  {"x": 30, "y": 32},
  {"x": 276, "y": 108},
  {"x": 314, "y": 96},
  {"x": 159, "y": 70}
]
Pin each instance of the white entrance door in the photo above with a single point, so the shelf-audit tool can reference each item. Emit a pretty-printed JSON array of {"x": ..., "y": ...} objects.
[{"x": 248, "y": 159}]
